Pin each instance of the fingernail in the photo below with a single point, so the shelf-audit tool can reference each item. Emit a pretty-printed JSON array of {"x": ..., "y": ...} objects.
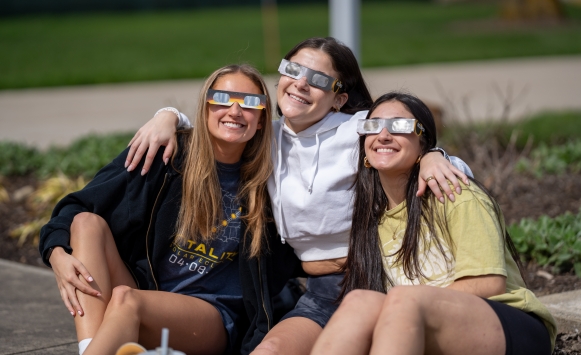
[
  {"x": 72, "y": 313},
  {"x": 99, "y": 294},
  {"x": 126, "y": 163},
  {"x": 467, "y": 182},
  {"x": 166, "y": 160},
  {"x": 452, "y": 198},
  {"x": 90, "y": 279},
  {"x": 143, "y": 171},
  {"x": 458, "y": 190},
  {"x": 130, "y": 168},
  {"x": 79, "y": 312},
  {"x": 441, "y": 199}
]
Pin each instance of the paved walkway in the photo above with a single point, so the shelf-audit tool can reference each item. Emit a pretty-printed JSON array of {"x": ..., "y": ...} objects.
[
  {"x": 33, "y": 319},
  {"x": 474, "y": 90}
]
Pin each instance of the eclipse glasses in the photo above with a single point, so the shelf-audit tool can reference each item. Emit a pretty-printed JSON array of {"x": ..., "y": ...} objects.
[
  {"x": 228, "y": 98},
  {"x": 314, "y": 78},
  {"x": 394, "y": 125}
]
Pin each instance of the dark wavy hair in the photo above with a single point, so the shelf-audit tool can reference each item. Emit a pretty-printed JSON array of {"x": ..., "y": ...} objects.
[
  {"x": 364, "y": 267},
  {"x": 344, "y": 63}
]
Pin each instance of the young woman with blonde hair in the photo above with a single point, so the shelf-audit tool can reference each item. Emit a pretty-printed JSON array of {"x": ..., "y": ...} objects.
[{"x": 186, "y": 246}]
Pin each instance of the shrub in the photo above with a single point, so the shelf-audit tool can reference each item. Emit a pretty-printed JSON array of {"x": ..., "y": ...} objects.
[
  {"x": 550, "y": 241},
  {"x": 552, "y": 159}
]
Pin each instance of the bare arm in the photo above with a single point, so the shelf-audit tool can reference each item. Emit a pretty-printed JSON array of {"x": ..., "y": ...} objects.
[
  {"x": 158, "y": 131},
  {"x": 482, "y": 286}
]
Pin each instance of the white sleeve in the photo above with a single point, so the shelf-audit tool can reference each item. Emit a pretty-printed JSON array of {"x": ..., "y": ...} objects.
[
  {"x": 184, "y": 122},
  {"x": 461, "y": 165}
]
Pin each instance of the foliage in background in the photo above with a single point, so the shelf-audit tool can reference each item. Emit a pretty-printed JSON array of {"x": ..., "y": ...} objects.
[
  {"x": 120, "y": 47},
  {"x": 42, "y": 201},
  {"x": 550, "y": 241},
  {"x": 547, "y": 159},
  {"x": 84, "y": 157}
]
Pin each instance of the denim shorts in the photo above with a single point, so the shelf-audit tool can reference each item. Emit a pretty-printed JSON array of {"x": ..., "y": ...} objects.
[{"x": 320, "y": 301}]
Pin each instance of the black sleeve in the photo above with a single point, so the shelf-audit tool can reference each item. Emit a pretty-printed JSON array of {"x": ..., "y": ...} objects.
[{"x": 122, "y": 198}]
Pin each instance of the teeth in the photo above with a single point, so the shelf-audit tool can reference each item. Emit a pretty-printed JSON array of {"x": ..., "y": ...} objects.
[
  {"x": 385, "y": 150},
  {"x": 232, "y": 124},
  {"x": 298, "y": 99}
]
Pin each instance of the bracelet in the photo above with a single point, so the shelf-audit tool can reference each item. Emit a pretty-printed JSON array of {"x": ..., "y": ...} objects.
[
  {"x": 441, "y": 150},
  {"x": 170, "y": 109}
]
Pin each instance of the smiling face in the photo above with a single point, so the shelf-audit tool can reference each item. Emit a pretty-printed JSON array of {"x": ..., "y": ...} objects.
[
  {"x": 392, "y": 154},
  {"x": 231, "y": 127},
  {"x": 304, "y": 105}
]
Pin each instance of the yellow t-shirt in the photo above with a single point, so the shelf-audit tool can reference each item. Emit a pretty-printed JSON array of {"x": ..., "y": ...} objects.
[{"x": 476, "y": 248}]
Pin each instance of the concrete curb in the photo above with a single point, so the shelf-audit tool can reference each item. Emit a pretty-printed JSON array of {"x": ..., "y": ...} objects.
[{"x": 566, "y": 309}]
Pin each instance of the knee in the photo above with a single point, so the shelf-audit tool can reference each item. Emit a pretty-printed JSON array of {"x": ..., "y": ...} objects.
[
  {"x": 270, "y": 346},
  {"x": 125, "y": 298},
  {"x": 361, "y": 299},
  {"x": 411, "y": 296},
  {"x": 85, "y": 220}
]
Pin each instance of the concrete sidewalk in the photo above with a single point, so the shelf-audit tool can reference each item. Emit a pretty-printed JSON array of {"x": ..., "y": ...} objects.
[{"x": 467, "y": 91}]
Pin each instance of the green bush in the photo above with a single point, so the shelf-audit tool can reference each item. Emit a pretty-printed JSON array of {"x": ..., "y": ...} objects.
[
  {"x": 552, "y": 159},
  {"x": 84, "y": 157},
  {"x": 550, "y": 241}
]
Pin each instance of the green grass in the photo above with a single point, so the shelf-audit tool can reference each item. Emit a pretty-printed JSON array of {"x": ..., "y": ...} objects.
[{"x": 98, "y": 48}]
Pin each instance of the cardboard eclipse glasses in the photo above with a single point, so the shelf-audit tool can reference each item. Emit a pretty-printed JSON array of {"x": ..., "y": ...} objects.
[
  {"x": 394, "y": 125},
  {"x": 228, "y": 98},
  {"x": 314, "y": 78}
]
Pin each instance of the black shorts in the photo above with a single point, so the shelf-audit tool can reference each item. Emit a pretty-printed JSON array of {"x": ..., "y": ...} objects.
[
  {"x": 525, "y": 333},
  {"x": 319, "y": 302}
]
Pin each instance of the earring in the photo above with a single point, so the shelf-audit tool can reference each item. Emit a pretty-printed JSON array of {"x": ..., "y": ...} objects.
[
  {"x": 366, "y": 163},
  {"x": 335, "y": 109},
  {"x": 419, "y": 158}
]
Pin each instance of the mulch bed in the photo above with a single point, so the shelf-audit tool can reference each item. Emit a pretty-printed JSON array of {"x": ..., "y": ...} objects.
[{"x": 523, "y": 196}]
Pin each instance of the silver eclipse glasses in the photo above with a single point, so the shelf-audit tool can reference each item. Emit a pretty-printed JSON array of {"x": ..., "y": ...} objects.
[
  {"x": 314, "y": 78},
  {"x": 394, "y": 125}
]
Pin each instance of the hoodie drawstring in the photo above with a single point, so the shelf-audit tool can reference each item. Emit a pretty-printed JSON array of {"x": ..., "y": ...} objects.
[
  {"x": 277, "y": 181},
  {"x": 315, "y": 164}
]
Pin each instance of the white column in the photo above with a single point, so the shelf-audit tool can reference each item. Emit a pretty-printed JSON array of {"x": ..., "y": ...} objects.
[{"x": 344, "y": 22}]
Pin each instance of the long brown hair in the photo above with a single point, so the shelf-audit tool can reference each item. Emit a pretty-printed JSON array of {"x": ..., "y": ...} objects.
[
  {"x": 364, "y": 266},
  {"x": 201, "y": 207}
]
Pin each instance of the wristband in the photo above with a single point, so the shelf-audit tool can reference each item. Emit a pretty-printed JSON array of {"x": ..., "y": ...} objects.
[
  {"x": 438, "y": 149},
  {"x": 170, "y": 109}
]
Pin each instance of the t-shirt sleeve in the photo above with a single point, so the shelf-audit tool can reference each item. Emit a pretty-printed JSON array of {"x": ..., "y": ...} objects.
[{"x": 477, "y": 236}]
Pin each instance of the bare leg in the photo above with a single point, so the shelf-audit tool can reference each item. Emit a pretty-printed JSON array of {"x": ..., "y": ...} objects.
[
  {"x": 195, "y": 326},
  {"x": 350, "y": 329},
  {"x": 432, "y": 320},
  {"x": 292, "y": 336},
  {"x": 93, "y": 245}
]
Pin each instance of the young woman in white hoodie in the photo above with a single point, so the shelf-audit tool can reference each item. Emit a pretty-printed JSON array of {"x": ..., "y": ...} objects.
[{"x": 321, "y": 95}]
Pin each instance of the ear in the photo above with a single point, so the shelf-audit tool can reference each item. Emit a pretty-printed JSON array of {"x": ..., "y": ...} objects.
[{"x": 341, "y": 99}]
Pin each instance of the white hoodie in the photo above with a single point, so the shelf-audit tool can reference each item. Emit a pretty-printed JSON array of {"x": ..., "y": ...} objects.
[{"x": 310, "y": 188}]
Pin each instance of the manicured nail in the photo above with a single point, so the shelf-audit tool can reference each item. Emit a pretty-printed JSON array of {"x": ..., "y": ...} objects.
[
  {"x": 441, "y": 199},
  {"x": 166, "y": 160},
  {"x": 72, "y": 313},
  {"x": 452, "y": 198},
  {"x": 143, "y": 171},
  {"x": 99, "y": 294},
  {"x": 467, "y": 182},
  {"x": 130, "y": 168},
  {"x": 126, "y": 163},
  {"x": 458, "y": 190},
  {"x": 90, "y": 279},
  {"x": 79, "y": 312}
]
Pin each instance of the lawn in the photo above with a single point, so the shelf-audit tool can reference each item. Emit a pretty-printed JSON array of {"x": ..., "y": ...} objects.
[{"x": 97, "y": 48}]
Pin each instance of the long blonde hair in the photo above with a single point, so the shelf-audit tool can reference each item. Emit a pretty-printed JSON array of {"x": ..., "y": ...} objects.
[{"x": 201, "y": 208}]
